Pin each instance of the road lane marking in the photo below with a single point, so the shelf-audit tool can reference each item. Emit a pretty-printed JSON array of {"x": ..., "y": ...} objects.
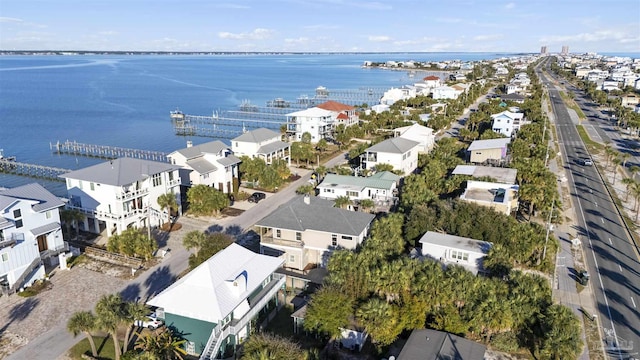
[
  {"x": 601, "y": 219},
  {"x": 634, "y": 303},
  {"x": 610, "y": 241},
  {"x": 620, "y": 267},
  {"x": 597, "y": 206}
]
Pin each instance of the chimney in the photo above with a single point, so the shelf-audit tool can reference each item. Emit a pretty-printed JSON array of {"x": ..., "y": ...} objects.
[
  {"x": 189, "y": 143},
  {"x": 307, "y": 199}
]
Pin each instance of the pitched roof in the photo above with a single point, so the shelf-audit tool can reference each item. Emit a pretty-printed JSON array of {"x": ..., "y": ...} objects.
[
  {"x": 431, "y": 77},
  {"x": 271, "y": 147},
  {"x": 334, "y": 180},
  {"x": 426, "y": 344},
  {"x": 44, "y": 200},
  {"x": 458, "y": 242},
  {"x": 397, "y": 145},
  {"x": 335, "y": 106},
  {"x": 201, "y": 165},
  {"x": 312, "y": 112},
  {"x": 342, "y": 116},
  {"x": 489, "y": 144},
  {"x": 212, "y": 147},
  {"x": 207, "y": 293},
  {"x": 120, "y": 172},
  {"x": 257, "y": 135},
  {"x": 319, "y": 215}
]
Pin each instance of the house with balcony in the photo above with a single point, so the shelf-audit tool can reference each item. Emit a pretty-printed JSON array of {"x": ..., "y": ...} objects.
[
  {"x": 211, "y": 164},
  {"x": 262, "y": 143},
  {"x": 500, "y": 197},
  {"x": 398, "y": 152},
  {"x": 318, "y": 122},
  {"x": 488, "y": 151},
  {"x": 29, "y": 233},
  {"x": 343, "y": 114},
  {"x": 507, "y": 123},
  {"x": 394, "y": 95},
  {"x": 446, "y": 92},
  {"x": 455, "y": 250},
  {"x": 416, "y": 132},
  {"x": 213, "y": 305},
  {"x": 305, "y": 230},
  {"x": 380, "y": 187},
  {"x": 122, "y": 193}
]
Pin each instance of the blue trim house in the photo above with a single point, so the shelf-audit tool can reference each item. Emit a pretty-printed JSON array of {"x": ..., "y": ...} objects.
[{"x": 213, "y": 305}]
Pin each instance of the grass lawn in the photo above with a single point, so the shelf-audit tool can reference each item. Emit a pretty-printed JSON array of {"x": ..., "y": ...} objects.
[
  {"x": 104, "y": 345},
  {"x": 592, "y": 146}
]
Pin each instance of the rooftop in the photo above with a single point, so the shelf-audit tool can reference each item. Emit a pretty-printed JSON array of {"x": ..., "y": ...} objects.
[
  {"x": 489, "y": 144},
  {"x": 257, "y": 135},
  {"x": 502, "y": 175},
  {"x": 396, "y": 145},
  {"x": 458, "y": 242},
  {"x": 120, "y": 172}
]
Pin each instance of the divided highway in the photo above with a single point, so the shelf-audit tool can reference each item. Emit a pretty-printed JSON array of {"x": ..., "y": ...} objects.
[{"x": 612, "y": 258}]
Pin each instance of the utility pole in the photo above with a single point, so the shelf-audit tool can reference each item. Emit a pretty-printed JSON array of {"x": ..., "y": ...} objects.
[{"x": 544, "y": 252}]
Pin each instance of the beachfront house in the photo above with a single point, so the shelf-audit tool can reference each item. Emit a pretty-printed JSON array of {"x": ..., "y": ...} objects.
[
  {"x": 446, "y": 92},
  {"x": 319, "y": 123},
  {"x": 507, "y": 123},
  {"x": 29, "y": 233},
  {"x": 211, "y": 164},
  {"x": 306, "y": 229},
  {"x": 416, "y": 132},
  {"x": 394, "y": 95},
  {"x": 492, "y": 150},
  {"x": 262, "y": 143},
  {"x": 400, "y": 153},
  {"x": 343, "y": 114},
  {"x": 494, "y": 195},
  {"x": 213, "y": 306},
  {"x": 122, "y": 193},
  {"x": 380, "y": 187},
  {"x": 455, "y": 250}
]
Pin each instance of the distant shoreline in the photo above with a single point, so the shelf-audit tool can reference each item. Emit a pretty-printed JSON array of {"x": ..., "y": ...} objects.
[{"x": 87, "y": 52}]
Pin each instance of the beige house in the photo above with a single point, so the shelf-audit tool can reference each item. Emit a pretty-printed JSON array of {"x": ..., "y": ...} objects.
[
  {"x": 481, "y": 151},
  {"x": 306, "y": 229},
  {"x": 497, "y": 196}
]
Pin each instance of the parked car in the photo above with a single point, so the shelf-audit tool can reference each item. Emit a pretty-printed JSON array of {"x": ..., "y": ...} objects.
[
  {"x": 150, "y": 322},
  {"x": 583, "y": 277},
  {"x": 256, "y": 197},
  {"x": 586, "y": 162}
]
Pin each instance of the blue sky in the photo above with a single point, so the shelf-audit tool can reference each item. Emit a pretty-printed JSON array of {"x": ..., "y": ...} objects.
[{"x": 321, "y": 25}]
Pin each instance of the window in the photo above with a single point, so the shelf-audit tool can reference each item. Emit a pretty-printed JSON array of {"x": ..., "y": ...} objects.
[
  {"x": 205, "y": 176},
  {"x": 80, "y": 184},
  {"x": 278, "y": 233},
  {"x": 298, "y": 236},
  {"x": 344, "y": 237},
  {"x": 459, "y": 255},
  {"x": 17, "y": 213},
  {"x": 18, "y": 224},
  {"x": 334, "y": 240},
  {"x": 352, "y": 193},
  {"x": 48, "y": 214},
  {"x": 5, "y": 257},
  {"x": 156, "y": 180},
  {"x": 292, "y": 258},
  {"x": 92, "y": 186}
]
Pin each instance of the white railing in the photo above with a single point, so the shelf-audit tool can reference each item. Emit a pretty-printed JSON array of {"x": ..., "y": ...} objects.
[
  {"x": 127, "y": 195},
  {"x": 218, "y": 334},
  {"x": 99, "y": 214},
  {"x": 173, "y": 182}
]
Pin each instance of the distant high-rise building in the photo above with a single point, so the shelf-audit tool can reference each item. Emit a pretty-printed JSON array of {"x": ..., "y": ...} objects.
[
  {"x": 543, "y": 50},
  {"x": 565, "y": 50}
]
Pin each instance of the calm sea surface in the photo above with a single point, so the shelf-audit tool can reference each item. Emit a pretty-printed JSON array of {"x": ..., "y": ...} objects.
[{"x": 125, "y": 100}]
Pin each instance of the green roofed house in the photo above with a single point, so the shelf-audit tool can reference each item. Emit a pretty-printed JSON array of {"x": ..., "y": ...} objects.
[
  {"x": 212, "y": 307},
  {"x": 380, "y": 187}
]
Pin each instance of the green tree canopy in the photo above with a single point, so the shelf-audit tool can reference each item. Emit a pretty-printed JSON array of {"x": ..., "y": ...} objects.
[{"x": 205, "y": 200}]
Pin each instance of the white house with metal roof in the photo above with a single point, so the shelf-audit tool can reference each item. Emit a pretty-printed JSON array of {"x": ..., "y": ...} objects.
[
  {"x": 29, "y": 232},
  {"x": 379, "y": 187},
  {"x": 398, "y": 152},
  {"x": 455, "y": 250},
  {"x": 122, "y": 193},
  {"x": 211, "y": 164},
  {"x": 306, "y": 229},
  {"x": 214, "y": 304},
  {"x": 262, "y": 143},
  {"x": 416, "y": 132},
  {"x": 316, "y": 121},
  {"x": 507, "y": 123}
]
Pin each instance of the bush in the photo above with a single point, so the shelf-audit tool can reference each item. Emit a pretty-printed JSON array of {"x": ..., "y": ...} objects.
[{"x": 506, "y": 342}]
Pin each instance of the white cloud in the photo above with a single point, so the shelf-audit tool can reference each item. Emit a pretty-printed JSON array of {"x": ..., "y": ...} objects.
[
  {"x": 487, "y": 37},
  {"x": 379, "y": 38},
  {"x": 256, "y": 34},
  {"x": 602, "y": 35},
  {"x": 108, "y": 32},
  {"x": 448, "y": 20},
  {"x": 300, "y": 40},
  {"x": 9, "y": 20},
  {"x": 510, "y": 5},
  {"x": 321, "y": 27}
]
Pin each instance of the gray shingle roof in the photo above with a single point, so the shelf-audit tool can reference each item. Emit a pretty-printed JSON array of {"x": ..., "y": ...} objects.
[
  {"x": 257, "y": 135},
  {"x": 397, "y": 145},
  {"x": 458, "y": 242},
  {"x": 201, "y": 165},
  {"x": 271, "y": 147},
  {"x": 489, "y": 144},
  {"x": 319, "y": 215},
  {"x": 212, "y": 147},
  {"x": 120, "y": 172},
  {"x": 436, "y": 345},
  {"x": 229, "y": 160},
  {"x": 33, "y": 192}
]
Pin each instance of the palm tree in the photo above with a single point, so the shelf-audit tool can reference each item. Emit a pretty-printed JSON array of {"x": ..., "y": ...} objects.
[
  {"x": 366, "y": 205},
  {"x": 343, "y": 202},
  {"x": 628, "y": 182},
  {"x": 321, "y": 171},
  {"x": 168, "y": 201},
  {"x": 634, "y": 169},
  {"x": 161, "y": 344},
  {"x": 134, "y": 311},
  {"x": 616, "y": 161},
  {"x": 194, "y": 240},
  {"x": 83, "y": 321},
  {"x": 70, "y": 217},
  {"x": 110, "y": 314}
]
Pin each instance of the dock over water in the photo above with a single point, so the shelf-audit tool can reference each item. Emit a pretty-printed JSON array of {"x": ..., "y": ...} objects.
[
  {"x": 32, "y": 170},
  {"x": 105, "y": 151}
]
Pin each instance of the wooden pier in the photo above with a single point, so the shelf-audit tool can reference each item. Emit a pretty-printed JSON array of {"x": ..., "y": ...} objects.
[
  {"x": 32, "y": 170},
  {"x": 105, "y": 152}
]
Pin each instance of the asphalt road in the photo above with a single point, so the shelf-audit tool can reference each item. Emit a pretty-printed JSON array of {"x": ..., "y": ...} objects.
[{"x": 611, "y": 255}]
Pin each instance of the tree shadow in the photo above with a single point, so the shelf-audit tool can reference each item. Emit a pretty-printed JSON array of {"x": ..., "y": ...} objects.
[
  {"x": 20, "y": 312},
  {"x": 215, "y": 228},
  {"x": 131, "y": 292},
  {"x": 158, "y": 281}
]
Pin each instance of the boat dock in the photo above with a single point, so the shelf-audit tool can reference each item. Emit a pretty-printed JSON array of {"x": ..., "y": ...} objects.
[
  {"x": 105, "y": 152},
  {"x": 31, "y": 170},
  {"x": 226, "y": 124}
]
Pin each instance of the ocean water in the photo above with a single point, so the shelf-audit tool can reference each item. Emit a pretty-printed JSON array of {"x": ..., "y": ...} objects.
[{"x": 125, "y": 100}]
